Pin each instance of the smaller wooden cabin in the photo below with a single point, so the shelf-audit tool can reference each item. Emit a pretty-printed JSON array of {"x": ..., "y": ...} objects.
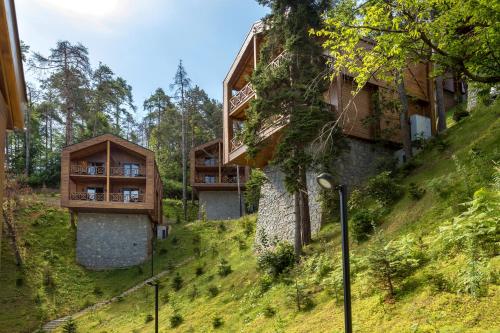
[
  {"x": 218, "y": 187},
  {"x": 111, "y": 174}
]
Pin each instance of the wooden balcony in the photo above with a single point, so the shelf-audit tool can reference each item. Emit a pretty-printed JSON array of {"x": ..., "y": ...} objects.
[
  {"x": 269, "y": 126},
  {"x": 84, "y": 196},
  {"x": 82, "y": 170},
  {"x": 209, "y": 163},
  {"x": 224, "y": 180},
  {"x": 127, "y": 172},
  {"x": 120, "y": 197},
  {"x": 241, "y": 99}
]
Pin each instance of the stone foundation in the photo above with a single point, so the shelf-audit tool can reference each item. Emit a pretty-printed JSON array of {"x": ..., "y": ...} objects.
[
  {"x": 276, "y": 219},
  {"x": 105, "y": 240},
  {"x": 219, "y": 205}
]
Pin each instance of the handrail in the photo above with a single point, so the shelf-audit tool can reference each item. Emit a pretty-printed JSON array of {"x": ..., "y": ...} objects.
[
  {"x": 241, "y": 97},
  {"x": 76, "y": 169},
  {"x": 120, "y": 197},
  {"x": 127, "y": 172},
  {"x": 274, "y": 120},
  {"x": 85, "y": 196},
  {"x": 225, "y": 180}
]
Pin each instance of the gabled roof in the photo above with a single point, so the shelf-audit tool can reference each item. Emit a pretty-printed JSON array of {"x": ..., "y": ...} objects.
[
  {"x": 208, "y": 144},
  {"x": 108, "y": 137}
]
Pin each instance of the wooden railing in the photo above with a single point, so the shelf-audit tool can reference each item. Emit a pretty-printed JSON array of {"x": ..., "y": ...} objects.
[
  {"x": 87, "y": 170},
  {"x": 205, "y": 162},
  {"x": 273, "y": 121},
  {"x": 225, "y": 180},
  {"x": 84, "y": 196},
  {"x": 241, "y": 97},
  {"x": 236, "y": 143},
  {"x": 127, "y": 172},
  {"x": 120, "y": 197}
]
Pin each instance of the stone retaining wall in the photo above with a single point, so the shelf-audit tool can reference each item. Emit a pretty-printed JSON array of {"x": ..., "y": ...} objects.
[{"x": 219, "y": 205}]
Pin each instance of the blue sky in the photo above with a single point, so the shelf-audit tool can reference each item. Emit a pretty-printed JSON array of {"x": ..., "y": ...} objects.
[{"x": 143, "y": 40}]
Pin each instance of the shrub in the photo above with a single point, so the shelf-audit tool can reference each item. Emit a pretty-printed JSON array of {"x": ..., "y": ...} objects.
[
  {"x": 163, "y": 251},
  {"x": 175, "y": 320},
  {"x": 224, "y": 268},
  {"x": 48, "y": 278},
  {"x": 390, "y": 262},
  {"x": 165, "y": 298},
  {"x": 221, "y": 227},
  {"x": 149, "y": 318},
  {"x": 460, "y": 114},
  {"x": 197, "y": 251},
  {"x": 242, "y": 245},
  {"x": 363, "y": 223},
  {"x": 278, "y": 260},
  {"x": 265, "y": 282},
  {"x": 175, "y": 240},
  {"x": 98, "y": 291},
  {"x": 252, "y": 189},
  {"x": 19, "y": 282},
  {"x": 69, "y": 326},
  {"x": 442, "y": 186},
  {"x": 193, "y": 293},
  {"x": 248, "y": 226},
  {"x": 177, "y": 282},
  {"x": 269, "y": 312},
  {"x": 416, "y": 192},
  {"x": 217, "y": 322},
  {"x": 199, "y": 271},
  {"x": 437, "y": 282},
  {"x": 213, "y": 291},
  {"x": 384, "y": 188}
]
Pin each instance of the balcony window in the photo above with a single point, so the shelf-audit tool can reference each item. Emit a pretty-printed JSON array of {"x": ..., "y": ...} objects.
[
  {"x": 210, "y": 161},
  {"x": 130, "y": 195},
  {"x": 95, "y": 168},
  {"x": 209, "y": 179},
  {"x": 95, "y": 193},
  {"x": 131, "y": 169}
]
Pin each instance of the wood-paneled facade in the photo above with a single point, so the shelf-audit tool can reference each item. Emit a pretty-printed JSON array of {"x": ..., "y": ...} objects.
[
  {"x": 208, "y": 173},
  {"x": 238, "y": 92},
  {"x": 12, "y": 84},
  {"x": 111, "y": 174}
]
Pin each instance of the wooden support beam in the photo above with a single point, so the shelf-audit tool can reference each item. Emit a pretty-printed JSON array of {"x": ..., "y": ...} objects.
[
  {"x": 220, "y": 162},
  {"x": 108, "y": 167}
]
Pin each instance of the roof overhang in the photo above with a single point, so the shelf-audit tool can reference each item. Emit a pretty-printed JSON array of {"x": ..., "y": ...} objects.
[{"x": 14, "y": 86}]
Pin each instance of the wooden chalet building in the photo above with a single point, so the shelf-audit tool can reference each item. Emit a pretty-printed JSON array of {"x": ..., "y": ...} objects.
[
  {"x": 114, "y": 188},
  {"x": 216, "y": 185},
  {"x": 356, "y": 164},
  {"x": 12, "y": 85}
]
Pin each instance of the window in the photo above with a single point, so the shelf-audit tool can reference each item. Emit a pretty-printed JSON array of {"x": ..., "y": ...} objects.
[
  {"x": 131, "y": 169},
  {"x": 209, "y": 179},
  {"x": 95, "y": 193},
  {"x": 210, "y": 161},
  {"x": 95, "y": 168}
]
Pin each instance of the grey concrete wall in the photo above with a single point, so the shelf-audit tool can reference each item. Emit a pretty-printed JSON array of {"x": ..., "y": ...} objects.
[
  {"x": 112, "y": 240},
  {"x": 275, "y": 219},
  {"x": 219, "y": 205}
]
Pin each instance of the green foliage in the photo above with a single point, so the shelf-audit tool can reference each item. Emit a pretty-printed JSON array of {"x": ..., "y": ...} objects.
[
  {"x": 149, "y": 318},
  {"x": 265, "y": 282},
  {"x": 176, "y": 320},
  {"x": 177, "y": 282},
  {"x": 277, "y": 261},
  {"x": 199, "y": 271},
  {"x": 362, "y": 224},
  {"x": 390, "y": 262},
  {"x": 248, "y": 225},
  {"x": 416, "y": 192},
  {"x": 269, "y": 311},
  {"x": 217, "y": 322},
  {"x": 252, "y": 189},
  {"x": 224, "y": 269},
  {"x": 460, "y": 114},
  {"x": 384, "y": 188},
  {"x": 213, "y": 291},
  {"x": 70, "y": 326}
]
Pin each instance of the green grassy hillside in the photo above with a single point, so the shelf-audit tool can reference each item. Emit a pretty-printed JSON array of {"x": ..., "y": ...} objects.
[
  {"x": 50, "y": 284},
  {"x": 450, "y": 283}
]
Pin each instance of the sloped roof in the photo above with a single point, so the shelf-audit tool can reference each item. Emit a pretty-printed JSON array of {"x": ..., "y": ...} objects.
[{"x": 108, "y": 137}]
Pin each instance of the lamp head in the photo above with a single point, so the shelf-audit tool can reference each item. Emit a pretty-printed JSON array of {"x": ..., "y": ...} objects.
[{"x": 325, "y": 180}]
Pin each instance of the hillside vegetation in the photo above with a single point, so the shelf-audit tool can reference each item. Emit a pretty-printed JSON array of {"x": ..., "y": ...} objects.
[{"x": 436, "y": 239}]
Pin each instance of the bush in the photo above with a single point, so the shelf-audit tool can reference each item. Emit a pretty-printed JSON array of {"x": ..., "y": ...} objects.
[
  {"x": 98, "y": 291},
  {"x": 460, "y": 114},
  {"x": 217, "y": 322},
  {"x": 173, "y": 189},
  {"x": 199, "y": 271},
  {"x": 265, "y": 283},
  {"x": 248, "y": 226},
  {"x": 437, "y": 282},
  {"x": 416, "y": 192},
  {"x": 19, "y": 282},
  {"x": 363, "y": 223},
  {"x": 175, "y": 320},
  {"x": 269, "y": 312},
  {"x": 177, "y": 282},
  {"x": 384, "y": 188},
  {"x": 252, "y": 190},
  {"x": 149, "y": 318},
  {"x": 193, "y": 293},
  {"x": 224, "y": 268},
  {"x": 221, "y": 227},
  {"x": 165, "y": 298},
  {"x": 213, "y": 291},
  {"x": 278, "y": 260},
  {"x": 48, "y": 278},
  {"x": 69, "y": 326}
]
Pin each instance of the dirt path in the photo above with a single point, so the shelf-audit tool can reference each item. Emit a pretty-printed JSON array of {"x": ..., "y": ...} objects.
[{"x": 53, "y": 324}]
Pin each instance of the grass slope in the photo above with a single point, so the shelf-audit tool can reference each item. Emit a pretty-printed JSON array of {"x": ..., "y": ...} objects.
[
  {"x": 241, "y": 306},
  {"x": 51, "y": 284}
]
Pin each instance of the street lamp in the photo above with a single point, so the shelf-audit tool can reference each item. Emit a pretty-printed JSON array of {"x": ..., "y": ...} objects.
[
  {"x": 325, "y": 180},
  {"x": 157, "y": 286}
]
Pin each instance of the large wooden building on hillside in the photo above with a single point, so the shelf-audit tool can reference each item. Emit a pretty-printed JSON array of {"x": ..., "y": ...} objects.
[
  {"x": 368, "y": 141},
  {"x": 218, "y": 187},
  {"x": 114, "y": 188},
  {"x": 12, "y": 85}
]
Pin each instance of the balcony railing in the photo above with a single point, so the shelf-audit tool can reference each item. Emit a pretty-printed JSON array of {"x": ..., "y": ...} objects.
[
  {"x": 87, "y": 170},
  {"x": 247, "y": 92},
  {"x": 127, "y": 172},
  {"x": 225, "y": 180},
  {"x": 207, "y": 162},
  {"x": 241, "y": 97},
  {"x": 121, "y": 197},
  {"x": 273, "y": 121},
  {"x": 85, "y": 196}
]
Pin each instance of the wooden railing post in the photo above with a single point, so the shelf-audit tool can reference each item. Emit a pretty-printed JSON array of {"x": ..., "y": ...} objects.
[{"x": 108, "y": 167}]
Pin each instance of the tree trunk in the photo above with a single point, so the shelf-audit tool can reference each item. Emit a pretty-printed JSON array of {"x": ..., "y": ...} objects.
[
  {"x": 304, "y": 208},
  {"x": 404, "y": 119},
  {"x": 472, "y": 95},
  {"x": 440, "y": 104},
  {"x": 184, "y": 157},
  {"x": 298, "y": 223}
]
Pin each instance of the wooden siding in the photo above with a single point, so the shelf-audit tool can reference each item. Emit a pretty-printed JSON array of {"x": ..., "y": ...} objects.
[{"x": 112, "y": 152}]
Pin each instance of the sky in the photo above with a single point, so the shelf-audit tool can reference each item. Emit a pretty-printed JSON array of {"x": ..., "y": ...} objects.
[{"x": 143, "y": 40}]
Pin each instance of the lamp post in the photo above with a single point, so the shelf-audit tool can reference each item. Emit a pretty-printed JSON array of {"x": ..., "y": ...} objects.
[
  {"x": 326, "y": 181},
  {"x": 157, "y": 286}
]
